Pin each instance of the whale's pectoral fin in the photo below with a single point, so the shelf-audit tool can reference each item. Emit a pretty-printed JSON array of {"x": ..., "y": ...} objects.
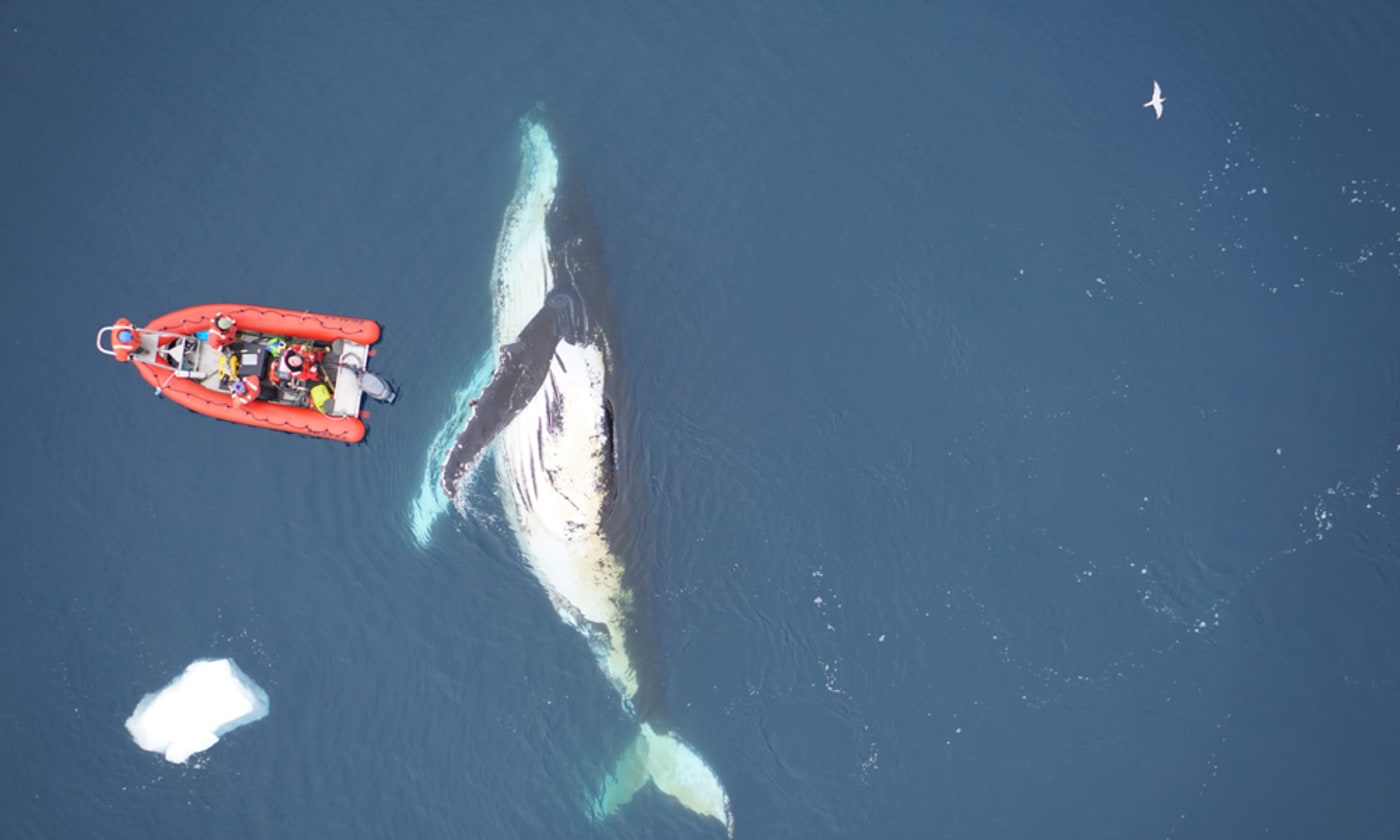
[
  {"x": 675, "y": 769},
  {"x": 520, "y": 371}
]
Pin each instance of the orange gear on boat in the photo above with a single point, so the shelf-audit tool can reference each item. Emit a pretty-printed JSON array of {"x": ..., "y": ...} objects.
[
  {"x": 246, "y": 390},
  {"x": 125, "y": 339}
]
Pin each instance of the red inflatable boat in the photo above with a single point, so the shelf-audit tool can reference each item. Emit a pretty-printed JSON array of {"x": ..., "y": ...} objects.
[{"x": 297, "y": 372}]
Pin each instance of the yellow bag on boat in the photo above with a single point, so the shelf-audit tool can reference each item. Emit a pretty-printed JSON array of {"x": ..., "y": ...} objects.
[
  {"x": 320, "y": 397},
  {"x": 228, "y": 366}
]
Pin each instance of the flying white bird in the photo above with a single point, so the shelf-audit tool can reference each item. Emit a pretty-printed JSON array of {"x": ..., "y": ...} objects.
[{"x": 1155, "y": 103}]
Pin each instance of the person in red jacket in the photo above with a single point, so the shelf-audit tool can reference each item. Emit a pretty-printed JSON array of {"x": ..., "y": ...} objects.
[
  {"x": 245, "y": 390},
  {"x": 302, "y": 363},
  {"x": 223, "y": 331}
]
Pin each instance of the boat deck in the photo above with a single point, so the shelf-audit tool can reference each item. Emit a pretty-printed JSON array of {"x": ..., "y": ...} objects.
[{"x": 192, "y": 358}]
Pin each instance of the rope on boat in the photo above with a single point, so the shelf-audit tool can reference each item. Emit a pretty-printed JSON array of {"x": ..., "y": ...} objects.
[{"x": 161, "y": 386}]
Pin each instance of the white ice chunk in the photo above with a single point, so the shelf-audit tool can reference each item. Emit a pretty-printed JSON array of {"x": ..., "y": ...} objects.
[{"x": 211, "y": 698}]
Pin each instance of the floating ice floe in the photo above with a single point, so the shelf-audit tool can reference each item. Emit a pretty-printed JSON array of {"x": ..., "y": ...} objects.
[{"x": 211, "y": 698}]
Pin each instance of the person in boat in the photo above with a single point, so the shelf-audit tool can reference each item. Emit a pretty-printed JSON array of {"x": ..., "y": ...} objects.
[
  {"x": 223, "y": 331},
  {"x": 311, "y": 353},
  {"x": 300, "y": 363},
  {"x": 126, "y": 341},
  {"x": 245, "y": 390}
]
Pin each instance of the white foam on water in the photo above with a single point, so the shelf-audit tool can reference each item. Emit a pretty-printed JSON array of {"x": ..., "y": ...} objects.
[{"x": 210, "y": 699}]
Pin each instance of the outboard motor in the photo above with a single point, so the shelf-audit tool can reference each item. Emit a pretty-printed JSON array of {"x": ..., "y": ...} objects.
[{"x": 373, "y": 386}]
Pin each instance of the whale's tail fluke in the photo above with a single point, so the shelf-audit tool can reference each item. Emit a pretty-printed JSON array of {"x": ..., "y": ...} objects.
[{"x": 676, "y": 770}]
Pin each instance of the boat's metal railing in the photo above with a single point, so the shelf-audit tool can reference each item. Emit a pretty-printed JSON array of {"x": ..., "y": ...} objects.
[
  {"x": 138, "y": 332},
  {"x": 155, "y": 360}
]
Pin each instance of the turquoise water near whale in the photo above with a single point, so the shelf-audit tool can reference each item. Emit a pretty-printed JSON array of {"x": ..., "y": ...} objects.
[{"x": 1018, "y": 464}]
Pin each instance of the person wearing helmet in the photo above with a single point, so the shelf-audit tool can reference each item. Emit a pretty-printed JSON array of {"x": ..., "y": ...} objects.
[
  {"x": 245, "y": 390},
  {"x": 289, "y": 365},
  {"x": 300, "y": 362},
  {"x": 125, "y": 340},
  {"x": 223, "y": 331}
]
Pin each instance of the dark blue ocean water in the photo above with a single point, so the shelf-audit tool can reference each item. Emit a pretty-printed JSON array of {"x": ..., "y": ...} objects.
[{"x": 1018, "y": 465}]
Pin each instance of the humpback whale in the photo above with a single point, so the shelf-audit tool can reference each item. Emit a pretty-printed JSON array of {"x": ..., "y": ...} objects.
[{"x": 543, "y": 428}]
